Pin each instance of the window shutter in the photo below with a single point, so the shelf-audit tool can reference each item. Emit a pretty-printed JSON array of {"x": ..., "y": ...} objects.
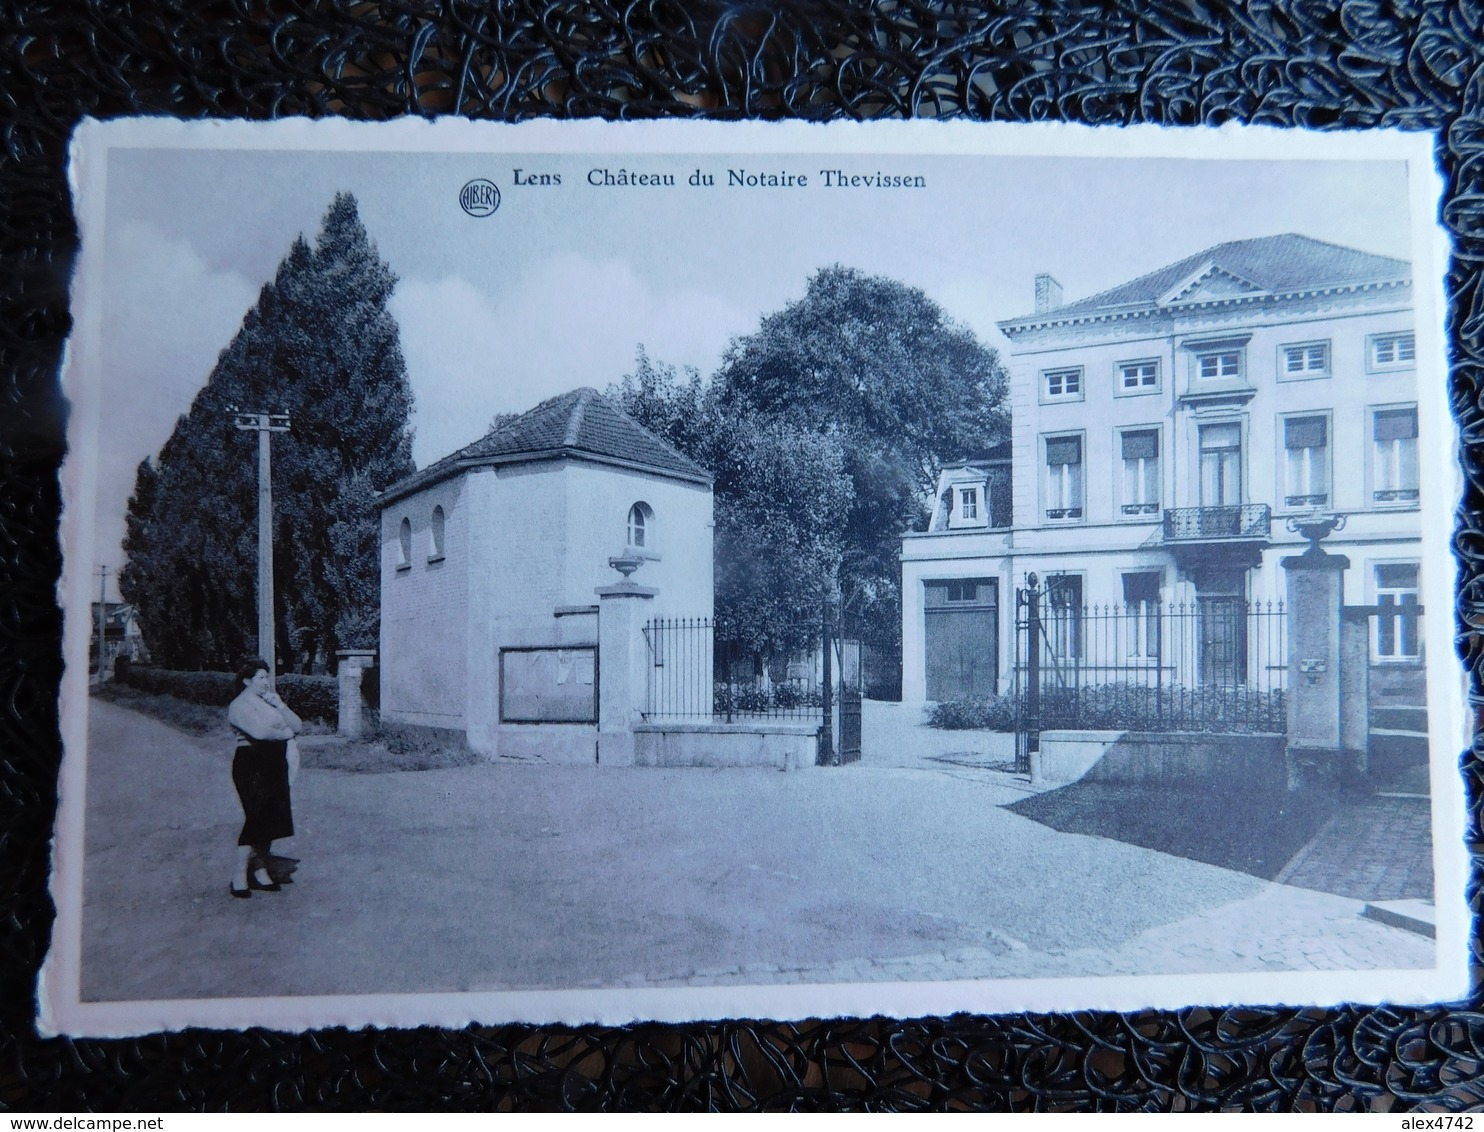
[
  {"x": 1140, "y": 445},
  {"x": 1305, "y": 432},
  {"x": 1396, "y": 424},
  {"x": 1063, "y": 450}
]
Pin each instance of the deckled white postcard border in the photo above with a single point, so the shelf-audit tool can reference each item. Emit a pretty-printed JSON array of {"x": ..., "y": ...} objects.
[{"x": 86, "y": 384}]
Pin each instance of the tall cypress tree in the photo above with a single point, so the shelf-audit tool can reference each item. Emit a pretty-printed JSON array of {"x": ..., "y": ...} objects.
[{"x": 321, "y": 346}]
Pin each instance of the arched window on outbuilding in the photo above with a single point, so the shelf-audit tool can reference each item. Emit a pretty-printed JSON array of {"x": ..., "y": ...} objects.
[
  {"x": 641, "y": 527},
  {"x": 435, "y": 535},
  {"x": 404, "y": 544}
]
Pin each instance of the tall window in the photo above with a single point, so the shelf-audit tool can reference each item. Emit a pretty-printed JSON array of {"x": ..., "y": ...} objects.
[
  {"x": 1140, "y": 471},
  {"x": 1062, "y": 384},
  {"x": 641, "y": 527},
  {"x": 1218, "y": 364},
  {"x": 1141, "y": 607},
  {"x": 1063, "y": 622},
  {"x": 435, "y": 535},
  {"x": 1306, "y": 461},
  {"x": 1221, "y": 465},
  {"x": 1307, "y": 359},
  {"x": 968, "y": 503},
  {"x": 404, "y": 544},
  {"x": 1394, "y": 455},
  {"x": 1064, "y": 477},
  {"x": 1391, "y": 351},
  {"x": 1397, "y": 636},
  {"x": 1138, "y": 377}
]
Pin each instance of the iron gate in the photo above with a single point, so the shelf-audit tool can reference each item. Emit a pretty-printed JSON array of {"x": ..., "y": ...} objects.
[{"x": 848, "y": 657}]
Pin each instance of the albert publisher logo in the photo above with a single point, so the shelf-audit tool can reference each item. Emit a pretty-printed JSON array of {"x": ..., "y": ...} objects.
[{"x": 479, "y": 197}]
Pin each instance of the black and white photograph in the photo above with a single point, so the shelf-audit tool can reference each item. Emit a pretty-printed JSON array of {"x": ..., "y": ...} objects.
[{"x": 597, "y": 572}]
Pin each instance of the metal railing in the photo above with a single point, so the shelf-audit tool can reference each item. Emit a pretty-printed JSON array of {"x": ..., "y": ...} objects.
[
  {"x": 1204, "y": 524},
  {"x": 702, "y": 669},
  {"x": 1217, "y": 664}
]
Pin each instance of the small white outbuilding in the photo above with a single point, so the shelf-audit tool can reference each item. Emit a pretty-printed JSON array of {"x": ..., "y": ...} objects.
[{"x": 490, "y": 559}]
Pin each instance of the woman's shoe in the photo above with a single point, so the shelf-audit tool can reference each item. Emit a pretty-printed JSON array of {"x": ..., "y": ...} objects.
[
  {"x": 240, "y": 893},
  {"x": 254, "y": 884}
]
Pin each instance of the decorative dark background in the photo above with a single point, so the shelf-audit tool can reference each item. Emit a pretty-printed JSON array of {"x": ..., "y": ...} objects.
[{"x": 1328, "y": 64}]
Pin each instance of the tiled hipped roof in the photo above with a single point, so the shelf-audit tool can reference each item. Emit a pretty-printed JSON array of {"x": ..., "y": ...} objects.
[
  {"x": 582, "y": 424},
  {"x": 1271, "y": 264}
]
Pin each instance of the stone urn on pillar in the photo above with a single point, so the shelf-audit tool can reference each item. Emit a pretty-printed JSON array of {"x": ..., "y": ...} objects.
[
  {"x": 623, "y": 609},
  {"x": 1319, "y": 750}
]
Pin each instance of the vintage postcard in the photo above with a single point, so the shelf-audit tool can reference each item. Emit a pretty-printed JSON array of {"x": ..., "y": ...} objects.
[{"x": 587, "y": 572}]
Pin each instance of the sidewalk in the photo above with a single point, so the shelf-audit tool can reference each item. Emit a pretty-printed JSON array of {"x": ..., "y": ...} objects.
[
  {"x": 1374, "y": 846},
  {"x": 495, "y": 876}
]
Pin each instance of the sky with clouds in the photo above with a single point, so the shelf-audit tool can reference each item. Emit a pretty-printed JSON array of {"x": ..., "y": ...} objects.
[{"x": 561, "y": 285}]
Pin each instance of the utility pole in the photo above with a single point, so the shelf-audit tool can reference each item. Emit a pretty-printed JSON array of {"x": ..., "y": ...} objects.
[
  {"x": 264, "y": 423},
  {"x": 102, "y": 617}
]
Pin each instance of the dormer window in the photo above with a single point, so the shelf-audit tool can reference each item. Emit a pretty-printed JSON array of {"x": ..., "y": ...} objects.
[
  {"x": 967, "y": 505},
  {"x": 641, "y": 527}
]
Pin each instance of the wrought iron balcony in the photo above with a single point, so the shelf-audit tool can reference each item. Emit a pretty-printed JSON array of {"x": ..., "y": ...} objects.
[{"x": 1247, "y": 522}]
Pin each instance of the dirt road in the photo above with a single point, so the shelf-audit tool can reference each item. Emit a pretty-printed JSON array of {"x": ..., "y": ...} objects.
[{"x": 497, "y": 876}]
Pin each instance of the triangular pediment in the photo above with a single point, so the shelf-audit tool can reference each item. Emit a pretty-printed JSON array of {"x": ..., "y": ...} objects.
[{"x": 1208, "y": 282}]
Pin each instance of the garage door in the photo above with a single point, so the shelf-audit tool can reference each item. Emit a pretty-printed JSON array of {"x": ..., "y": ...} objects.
[{"x": 961, "y": 638}]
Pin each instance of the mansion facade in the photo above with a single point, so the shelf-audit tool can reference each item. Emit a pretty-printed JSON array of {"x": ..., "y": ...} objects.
[{"x": 1163, "y": 433}]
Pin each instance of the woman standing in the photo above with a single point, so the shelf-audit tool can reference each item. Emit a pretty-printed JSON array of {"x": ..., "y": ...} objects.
[{"x": 260, "y": 771}]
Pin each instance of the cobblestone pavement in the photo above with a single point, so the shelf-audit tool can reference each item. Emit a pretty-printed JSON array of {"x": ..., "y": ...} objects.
[{"x": 1375, "y": 848}]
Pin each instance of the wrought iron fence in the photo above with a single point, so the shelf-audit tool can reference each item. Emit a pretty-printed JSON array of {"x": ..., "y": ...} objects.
[
  {"x": 705, "y": 669},
  {"x": 1217, "y": 664}
]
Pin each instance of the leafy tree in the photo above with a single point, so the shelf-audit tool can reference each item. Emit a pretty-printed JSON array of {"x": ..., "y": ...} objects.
[
  {"x": 782, "y": 496},
  {"x": 905, "y": 388},
  {"x": 826, "y": 429},
  {"x": 671, "y": 405},
  {"x": 781, "y": 501},
  {"x": 320, "y": 345}
]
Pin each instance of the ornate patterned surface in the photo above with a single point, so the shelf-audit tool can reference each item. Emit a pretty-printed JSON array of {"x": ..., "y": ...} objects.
[{"x": 1330, "y": 64}]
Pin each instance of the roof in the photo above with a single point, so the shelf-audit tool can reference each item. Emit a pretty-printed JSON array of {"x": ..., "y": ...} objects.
[
  {"x": 116, "y": 614},
  {"x": 580, "y": 425},
  {"x": 1266, "y": 265}
]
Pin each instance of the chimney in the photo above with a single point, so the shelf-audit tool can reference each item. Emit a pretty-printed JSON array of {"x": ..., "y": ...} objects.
[{"x": 1048, "y": 293}]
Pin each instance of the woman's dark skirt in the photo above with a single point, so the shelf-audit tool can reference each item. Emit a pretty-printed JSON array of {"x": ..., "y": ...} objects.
[{"x": 260, "y": 771}]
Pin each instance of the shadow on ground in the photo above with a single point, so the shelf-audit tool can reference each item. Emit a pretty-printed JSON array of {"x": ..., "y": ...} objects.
[{"x": 1255, "y": 832}]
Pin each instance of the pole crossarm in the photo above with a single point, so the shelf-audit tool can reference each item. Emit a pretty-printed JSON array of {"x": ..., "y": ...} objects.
[{"x": 260, "y": 420}]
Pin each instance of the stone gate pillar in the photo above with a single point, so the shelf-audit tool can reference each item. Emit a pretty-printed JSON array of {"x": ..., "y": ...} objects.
[
  {"x": 623, "y": 662},
  {"x": 353, "y": 665},
  {"x": 1317, "y": 731}
]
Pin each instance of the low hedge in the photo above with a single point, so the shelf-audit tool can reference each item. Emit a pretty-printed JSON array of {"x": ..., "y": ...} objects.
[
  {"x": 1126, "y": 707},
  {"x": 311, "y": 697},
  {"x": 993, "y": 713}
]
